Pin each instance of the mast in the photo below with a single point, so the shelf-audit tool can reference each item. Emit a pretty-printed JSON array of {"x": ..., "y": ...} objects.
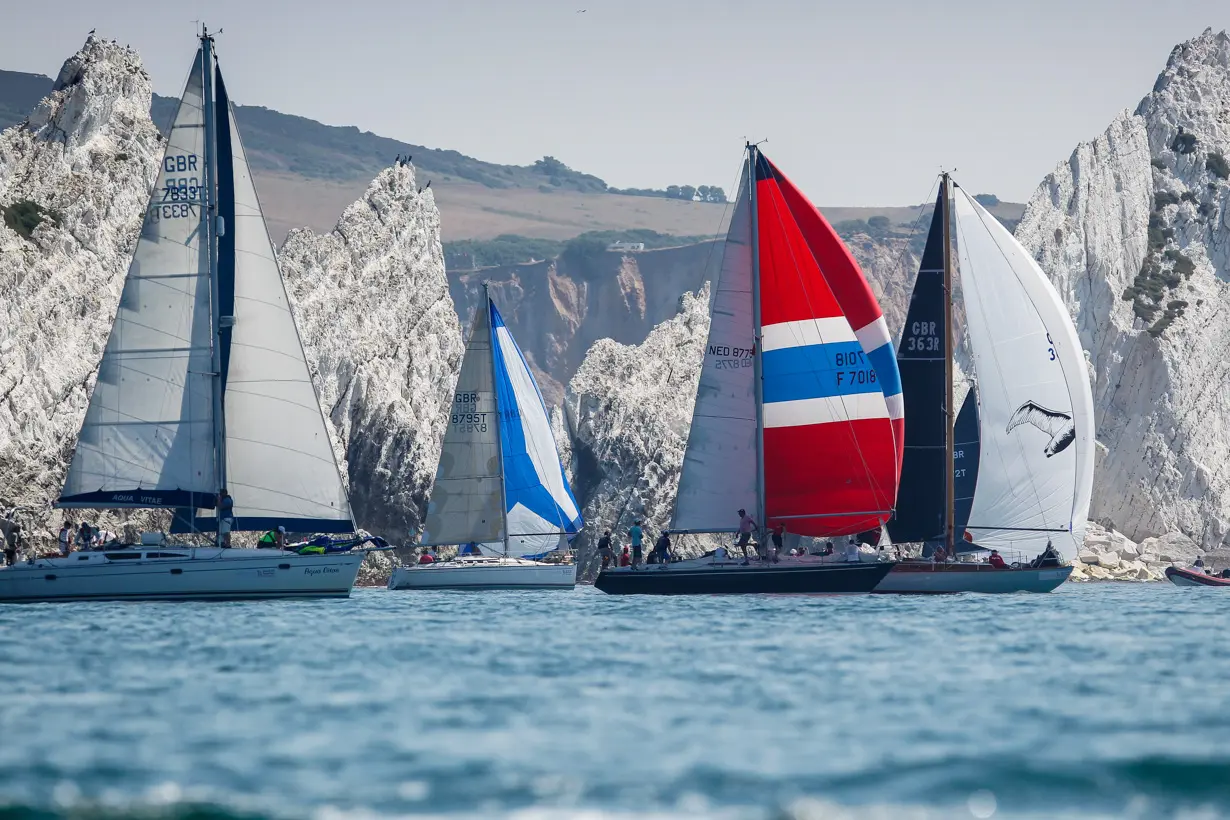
[
  {"x": 210, "y": 223},
  {"x": 499, "y": 422},
  {"x": 949, "y": 481},
  {"x": 757, "y": 375}
]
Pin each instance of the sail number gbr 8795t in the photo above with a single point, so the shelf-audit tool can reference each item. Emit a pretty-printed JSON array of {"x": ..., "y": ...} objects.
[{"x": 466, "y": 417}]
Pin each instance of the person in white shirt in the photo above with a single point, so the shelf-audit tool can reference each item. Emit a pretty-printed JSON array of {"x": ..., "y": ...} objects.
[
  {"x": 66, "y": 539},
  {"x": 852, "y": 551},
  {"x": 719, "y": 554}
]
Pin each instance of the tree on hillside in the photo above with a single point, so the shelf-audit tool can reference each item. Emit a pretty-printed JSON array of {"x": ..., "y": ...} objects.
[
  {"x": 687, "y": 192},
  {"x": 716, "y": 194},
  {"x": 987, "y": 200},
  {"x": 878, "y": 224},
  {"x": 702, "y": 193},
  {"x": 672, "y": 191}
]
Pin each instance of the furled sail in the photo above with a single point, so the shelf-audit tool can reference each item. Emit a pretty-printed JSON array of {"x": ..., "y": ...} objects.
[
  {"x": 965, "y": 456},
  {"x": 147, "y": 438},
  {"x": 465, "y": 502},
  {"x": 1036, "y": 472},
  {"x": 922, "y": 502},
  {"x": 719, "y": 465},
  {"x": 541, "y": 512},
  {"x": 280, "y": 468},
  {"x": 831, "y": 389}
]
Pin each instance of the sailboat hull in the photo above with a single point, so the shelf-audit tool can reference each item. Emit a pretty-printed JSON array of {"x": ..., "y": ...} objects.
[
  {"x": 920, "y": 578},
  {"x": 180, "y": 574},
  {"x": 485, "y": 573},
  {"x": 703, "y": 577}
]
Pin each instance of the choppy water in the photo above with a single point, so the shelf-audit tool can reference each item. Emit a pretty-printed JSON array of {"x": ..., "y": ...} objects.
[{"x": 1098, "y": 700}]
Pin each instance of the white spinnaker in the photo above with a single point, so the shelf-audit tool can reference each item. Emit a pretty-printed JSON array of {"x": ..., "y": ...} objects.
[
  {"x": 280, "y": 462},
  {"x": 465, "y": 502},
  {"x": 149, "y": 424},
  {"x": 719, "y": 465},
  {"x": 531, "y": 529},
  {"x": 1034, "y": 394}
]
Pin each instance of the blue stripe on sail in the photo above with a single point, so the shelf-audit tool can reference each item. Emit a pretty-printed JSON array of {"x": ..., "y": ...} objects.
[
  {"x": 137, "y": 498},
  {"x": 521, "y": 482},
  {"x": 817, "y": 371},
  {"x": 884, "y": 360}
]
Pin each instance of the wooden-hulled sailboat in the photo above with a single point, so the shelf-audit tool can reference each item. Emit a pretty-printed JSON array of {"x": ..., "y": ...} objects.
[
  {"x": 203, "y": 386},
  {"x": 1030, "y": 462},
  {"x": 500, "y": 488},
  {"x": 798, "y": 412}
]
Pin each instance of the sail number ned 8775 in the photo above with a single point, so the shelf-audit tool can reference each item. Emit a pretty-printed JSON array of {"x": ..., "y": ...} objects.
[{"x": 465, "y": 418}]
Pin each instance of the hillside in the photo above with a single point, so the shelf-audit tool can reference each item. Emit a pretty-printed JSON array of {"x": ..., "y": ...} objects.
[{"x": 308, "y": 172}]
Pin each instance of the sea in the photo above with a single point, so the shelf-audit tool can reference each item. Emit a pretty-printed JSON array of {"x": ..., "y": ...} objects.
[{"x": 1098, "y": 700}]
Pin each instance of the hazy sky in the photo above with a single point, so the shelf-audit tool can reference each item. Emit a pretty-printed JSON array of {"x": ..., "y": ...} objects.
[{"x": 861, "y": 101}]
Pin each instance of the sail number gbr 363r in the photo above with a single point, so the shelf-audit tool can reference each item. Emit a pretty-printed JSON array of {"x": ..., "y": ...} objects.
[{"x": 179, "y": 196}]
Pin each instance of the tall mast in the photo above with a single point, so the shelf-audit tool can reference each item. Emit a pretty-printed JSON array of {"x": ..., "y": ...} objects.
[
  {"x": 210, "y": 220},
  {"x": 499, "y": 439},
  {"x": 949, "y": 482},
  {"x": 757, "y": 375}
]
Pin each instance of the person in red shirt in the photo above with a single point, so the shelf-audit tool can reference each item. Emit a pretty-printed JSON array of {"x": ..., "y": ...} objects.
[
  {"x": 996, "y": 560},
  {"x": 428, "y": 557},
  {"x": 625, "y": 559}
]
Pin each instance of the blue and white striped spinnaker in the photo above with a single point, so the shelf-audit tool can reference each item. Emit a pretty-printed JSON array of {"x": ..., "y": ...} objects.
[{"x": 542, "y": 513}]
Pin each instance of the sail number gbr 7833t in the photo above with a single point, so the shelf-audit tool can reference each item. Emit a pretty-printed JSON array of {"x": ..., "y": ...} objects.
[{"x": 180, "y": 194}]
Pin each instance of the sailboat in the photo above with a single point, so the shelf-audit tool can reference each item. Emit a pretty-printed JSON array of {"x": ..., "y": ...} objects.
[
  {"x": 798, "y": 412},
  {"x": 1024, "y": 440},
  {"x": 203, "y": 387},
  {"x": 500, "y": 493}
]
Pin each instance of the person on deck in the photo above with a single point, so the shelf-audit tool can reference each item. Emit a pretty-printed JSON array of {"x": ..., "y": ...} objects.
[
  {"x": 280, "y": 539},
  {"x": 940, "y": 555},
  {"x": 663, "y": 548},
  {"x": 604, "y": 549},
  {"x": 996, "y": 560},
  {"x": 746, "y": 525},
  {"x": 66, "y": 539},
  {"x": 624, "y": 558},
  {"x": 226, "y": 516},
  {"x": 427, "y": 556},
  {"x": 10, "y": 538},
  {"x": 637, "y": 537},
  {"x": 83, "y": 536},
  {"x": 778, "y": 532},
  {"x": 828, "y": 548},
  {"x": 720, "y": 554},
  {"x": 1049, "y": 557},
  {"x": 1199, "y": 565}
]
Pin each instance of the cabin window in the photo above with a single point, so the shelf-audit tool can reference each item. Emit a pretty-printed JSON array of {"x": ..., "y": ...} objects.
[
  {"x": 165, "y": 555},
  {"x": 120, "y": 556}
]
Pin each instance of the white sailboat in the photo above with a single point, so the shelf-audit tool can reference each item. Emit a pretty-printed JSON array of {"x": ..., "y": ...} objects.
[
  {"x": 1034, "y": 408},
  {"x": 203, "y": 386},
  {"x": 500, "y": 488}
]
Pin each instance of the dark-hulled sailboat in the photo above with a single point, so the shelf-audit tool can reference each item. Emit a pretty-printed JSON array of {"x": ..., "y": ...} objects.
[
  {"x": 1018, "y": 467},
  {"x": 798, "y": 412}
]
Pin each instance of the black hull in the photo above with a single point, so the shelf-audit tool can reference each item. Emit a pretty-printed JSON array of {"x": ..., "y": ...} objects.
[{"x": 778, "y": 579}]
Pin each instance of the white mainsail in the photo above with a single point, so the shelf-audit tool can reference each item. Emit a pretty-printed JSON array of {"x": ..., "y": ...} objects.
[
  {"x": 719, "y": 465},
  {"x": 541, "y": 512},
  {"x": 466, "y": 499},
  {"x": 1035, "y": 478},
  {"x": 147, "y": 438},
  {"x": 280, "y": 463}
]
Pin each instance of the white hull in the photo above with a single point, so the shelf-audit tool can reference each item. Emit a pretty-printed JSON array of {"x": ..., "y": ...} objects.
[
  {"x": 485, "y": 573},
  {"x": 167, "y": 573}
]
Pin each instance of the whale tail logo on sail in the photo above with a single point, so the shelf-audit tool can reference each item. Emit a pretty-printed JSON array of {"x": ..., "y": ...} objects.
[{"x": 1059, "y": 426}]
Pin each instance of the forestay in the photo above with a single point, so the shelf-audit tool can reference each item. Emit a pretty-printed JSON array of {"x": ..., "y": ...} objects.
[
  {"x": 466, "y": 498},
  {"x": 147, "y": 438},
  {"x": 1036, "y": 472},
  {"x": 541, "y": 511}
]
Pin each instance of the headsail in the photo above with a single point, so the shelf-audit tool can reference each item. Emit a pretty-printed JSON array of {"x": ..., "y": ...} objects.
[
  {"x": 466, "y": 499},
  {"x": 719, "y": 465},
  {"x": 922, "y": 504},
  {"x": 280, "y": 462},
  {"x": 147, "y": 438},
  {"x": 542, "y": 513},
  {"x": 831, "y": 388},
  {"x": 965, "y": 457},
  {"x": 1036, "y": 475}
]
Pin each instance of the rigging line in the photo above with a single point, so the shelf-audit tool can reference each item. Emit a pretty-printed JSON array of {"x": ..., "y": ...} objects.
[
  {"x": 717, "y": 235},
  {"x": 993, "y": 352},
  {"x": 815, "y": 321}
]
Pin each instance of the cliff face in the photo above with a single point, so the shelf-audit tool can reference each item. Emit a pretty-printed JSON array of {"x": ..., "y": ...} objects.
[
  {"x": 1133, "y": 230},
  {"x": 84, "y": 161},
  {"x": 383, "y": 343}
]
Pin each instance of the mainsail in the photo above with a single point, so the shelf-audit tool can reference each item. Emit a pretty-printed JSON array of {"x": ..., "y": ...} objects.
[
  {"x": 541, "y": 512},
  {"x": 467, "y": 496},
  {"x": 195, "y": 394},
  {"x": 830, "y": 427},
  {"x": 1037, "y": 447},
  {"x": 922, "y": 505},
  {"x": 147, "y": 439}
]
